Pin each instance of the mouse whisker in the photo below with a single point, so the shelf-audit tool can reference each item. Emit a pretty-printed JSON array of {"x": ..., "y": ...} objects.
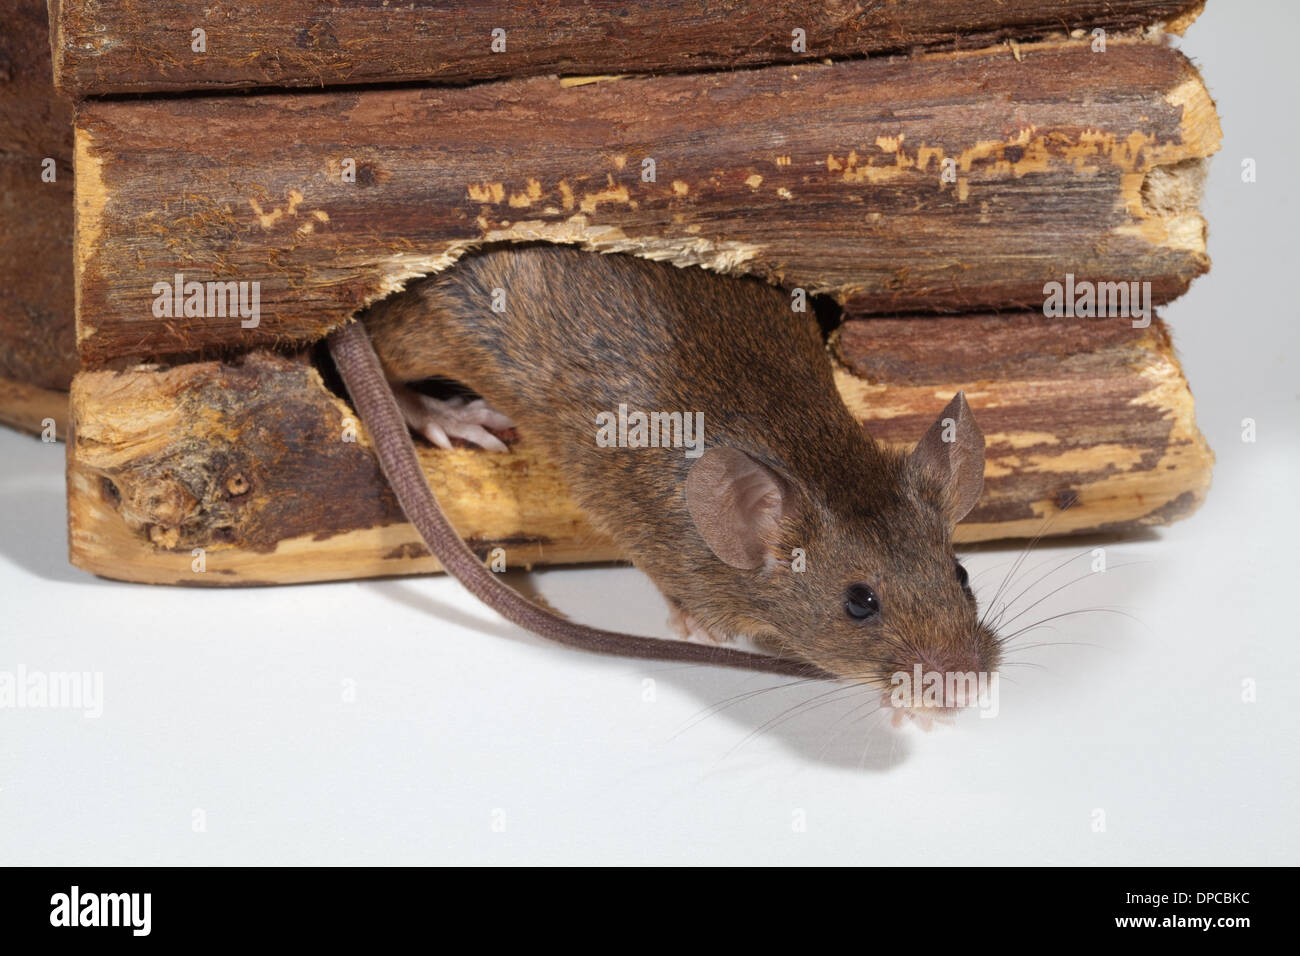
[
  {"x": 1082, "y": 577},
  {"x": 788, "y": 714},
  {"x": 1006, "y": 644},
  {"x": 1007, "y": 577},
  {"x": 983, "y": 571},
  {"x": 1027, "y": 647},
  {"x": 717, "y": 708},
  {"x": 725, "y": 703},
  {"x": 1013, "y": 663},
  {"x": 870, "y": 683},
  {"x": 844, "y": 716},
  {"x": 1047, "y": 523},
  {"x": 1010, "y": 603},
  {"x": 1055, "y": 617},
  {"x": 870, "y": 736}
]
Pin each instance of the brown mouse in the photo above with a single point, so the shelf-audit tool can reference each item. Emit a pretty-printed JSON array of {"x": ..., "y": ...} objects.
[{"x": 787, "y": 523}]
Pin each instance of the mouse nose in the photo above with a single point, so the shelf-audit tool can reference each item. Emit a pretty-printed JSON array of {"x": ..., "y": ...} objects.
[{"x": 950, "y": 680}]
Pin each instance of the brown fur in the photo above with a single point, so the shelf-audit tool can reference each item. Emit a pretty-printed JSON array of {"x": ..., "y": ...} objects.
[{"x": 582, "y": 333}]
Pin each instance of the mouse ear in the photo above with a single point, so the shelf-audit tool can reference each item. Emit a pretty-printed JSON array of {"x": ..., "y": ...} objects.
[
  {"x": 951, "y": 456},
  {"x": 736, "y": 504}
]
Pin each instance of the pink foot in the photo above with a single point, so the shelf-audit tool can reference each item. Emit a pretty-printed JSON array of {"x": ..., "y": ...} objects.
[
  {"x": 927, "y": 718},
  {"x": 690, "y": 629},
  {"x": 440, "y": 420}
]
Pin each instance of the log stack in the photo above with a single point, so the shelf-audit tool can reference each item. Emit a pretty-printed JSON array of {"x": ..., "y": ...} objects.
[{"x": 928, "y": 169}]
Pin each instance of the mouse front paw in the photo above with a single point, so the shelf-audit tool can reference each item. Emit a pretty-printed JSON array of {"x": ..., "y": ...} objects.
[
  {"x": 440, "y": 420},
  {"x": 688, "y": 628}
]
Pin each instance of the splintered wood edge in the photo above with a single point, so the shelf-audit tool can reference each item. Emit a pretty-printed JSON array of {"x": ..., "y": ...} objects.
[
  {"x": 1176, "y": 25},
  {"x": 28, "y": 407},
  {"x": 90, "y": 200},
  {"x": 56, "y": 44}
]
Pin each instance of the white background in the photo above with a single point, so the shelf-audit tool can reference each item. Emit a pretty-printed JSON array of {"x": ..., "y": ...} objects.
[{"x": 230, "y": 702}]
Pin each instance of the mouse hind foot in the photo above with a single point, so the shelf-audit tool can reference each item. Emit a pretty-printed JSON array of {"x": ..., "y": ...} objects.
[{"x": 442, "y": 419}]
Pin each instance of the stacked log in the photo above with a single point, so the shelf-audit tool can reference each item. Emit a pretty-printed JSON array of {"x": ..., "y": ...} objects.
[{"x": 944, "y": 175}]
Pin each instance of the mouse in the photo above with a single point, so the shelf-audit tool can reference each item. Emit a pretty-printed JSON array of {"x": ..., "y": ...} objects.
[{"x": 695, "y": 419}]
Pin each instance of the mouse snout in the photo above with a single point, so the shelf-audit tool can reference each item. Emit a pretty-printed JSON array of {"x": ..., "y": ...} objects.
[
  {"x": 958, "y": 674},
  {"x": 934, "y": 686}
]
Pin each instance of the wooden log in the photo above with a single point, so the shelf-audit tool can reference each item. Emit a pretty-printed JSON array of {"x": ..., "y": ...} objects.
[
  {"x": 1090, "y": 427},
  {"x": 1088, "y": 421},
  {"x": 122, "y": 46},
  {"x": 30, "y": 408},
  {"x": 37, "y": 328},
  {"x": 830, "y": 178},
  {"x": 31, "y": 116},
  {"x": 248, "y": 462}
]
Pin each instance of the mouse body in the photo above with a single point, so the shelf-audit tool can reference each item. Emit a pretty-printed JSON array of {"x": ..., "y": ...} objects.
[{"x": 784, "y": 522}]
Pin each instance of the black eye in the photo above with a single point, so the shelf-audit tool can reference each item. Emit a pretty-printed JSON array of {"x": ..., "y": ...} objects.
[
  {"x": 962, "y": 577},
  {"x": 861, "y": 603}
]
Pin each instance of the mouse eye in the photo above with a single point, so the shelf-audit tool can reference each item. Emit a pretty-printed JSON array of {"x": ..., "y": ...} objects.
[
  {"x": 861, "y": 603},
  {"x": 962, "y": 577}
]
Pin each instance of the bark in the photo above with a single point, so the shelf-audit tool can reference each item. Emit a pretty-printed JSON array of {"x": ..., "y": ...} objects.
[
  {"x": 829, "y": 178},
  {"x": 37, "y": 328},
  {"x": 124, "y": 46}
]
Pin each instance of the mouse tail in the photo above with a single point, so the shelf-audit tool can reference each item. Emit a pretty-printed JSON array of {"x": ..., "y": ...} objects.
[{"x": 359, "y": 366}]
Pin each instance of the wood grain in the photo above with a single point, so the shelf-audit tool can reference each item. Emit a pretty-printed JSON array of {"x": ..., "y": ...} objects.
[
  {"x": 28, "y": 407},
  {"x": 125, "y": 46},
  {"x": 247, "y": 461},
  {"x": 37, "y": 327},
  {"x": 823, "y": 177}
]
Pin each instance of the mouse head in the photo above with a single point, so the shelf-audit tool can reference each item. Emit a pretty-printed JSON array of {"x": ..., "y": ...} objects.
[{"x": 855, "y": 573}]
